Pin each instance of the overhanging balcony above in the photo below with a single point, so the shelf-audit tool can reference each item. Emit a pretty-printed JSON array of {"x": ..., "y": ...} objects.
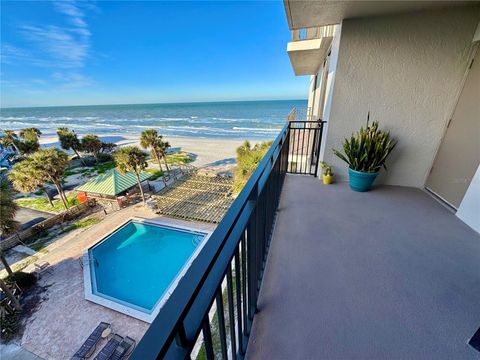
[{"x": 308, "y": 48}]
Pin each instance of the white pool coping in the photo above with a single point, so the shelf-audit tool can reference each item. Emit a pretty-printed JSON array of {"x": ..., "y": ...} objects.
[{"x": 125, "y": 307}]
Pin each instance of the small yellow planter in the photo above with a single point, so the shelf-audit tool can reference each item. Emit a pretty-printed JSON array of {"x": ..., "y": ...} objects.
[{"x": 327, "y": 179}]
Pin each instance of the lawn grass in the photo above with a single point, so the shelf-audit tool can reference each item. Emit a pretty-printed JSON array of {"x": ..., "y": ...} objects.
[
  {"x": 42, "y": 204},
  {"x": 79, "y": 224},
  {"x": 179, "y": 157},
  {"x": 155, "y": 172},
  {"x": 39, "y": 245},
  {"x": 69, "y": 172},
  {"x": 104, "y": 167}
]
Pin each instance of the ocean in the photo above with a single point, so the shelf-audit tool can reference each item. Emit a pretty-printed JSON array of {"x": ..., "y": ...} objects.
[{"x": 239, "y": 119}]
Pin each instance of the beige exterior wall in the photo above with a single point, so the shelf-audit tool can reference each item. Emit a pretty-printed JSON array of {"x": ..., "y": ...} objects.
[{"x": 407, "y": 71}]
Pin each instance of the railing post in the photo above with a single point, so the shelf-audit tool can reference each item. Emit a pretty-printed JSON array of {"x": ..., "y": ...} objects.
[
  {"x": 318, "y": 147},
  {"x": 251, "y": 257}
]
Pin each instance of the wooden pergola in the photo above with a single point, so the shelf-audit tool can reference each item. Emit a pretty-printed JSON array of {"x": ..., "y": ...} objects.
[{"x": 196, "y": 197}]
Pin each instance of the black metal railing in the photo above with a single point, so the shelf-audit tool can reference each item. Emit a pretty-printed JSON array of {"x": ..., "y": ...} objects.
[
  {"x": 212, "y": 308},
  {"x": 305, "y": 140}
]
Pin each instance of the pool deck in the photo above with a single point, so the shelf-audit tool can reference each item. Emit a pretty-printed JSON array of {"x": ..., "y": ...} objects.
[{"x": 64, "y": 318}]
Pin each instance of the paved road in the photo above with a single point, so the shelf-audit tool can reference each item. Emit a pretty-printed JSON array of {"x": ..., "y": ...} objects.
[{"x": 29, "y": 217}]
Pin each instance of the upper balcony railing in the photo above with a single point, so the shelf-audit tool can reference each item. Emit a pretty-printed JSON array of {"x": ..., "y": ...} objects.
[
  {"x": 303, "y": 114},
  {"x": 313, "y": 33},
  {"x": 218, "y": 294}
]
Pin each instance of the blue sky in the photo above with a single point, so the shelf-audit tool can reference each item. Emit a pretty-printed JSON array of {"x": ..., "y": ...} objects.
[{"x": 72, "y": 53}]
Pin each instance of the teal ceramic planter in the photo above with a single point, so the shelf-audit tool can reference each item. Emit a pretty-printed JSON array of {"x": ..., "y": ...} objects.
[{"x": 361, "y": 181}]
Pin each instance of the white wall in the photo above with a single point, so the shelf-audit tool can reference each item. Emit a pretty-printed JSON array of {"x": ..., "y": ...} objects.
[
  {"x": 332, "y": 69},
  {"x": 469, "y": 209},
  {"x": 406, "y": 70}
]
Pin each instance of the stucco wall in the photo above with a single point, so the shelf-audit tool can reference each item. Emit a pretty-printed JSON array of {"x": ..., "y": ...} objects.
[{"x": 407, "y": 70}]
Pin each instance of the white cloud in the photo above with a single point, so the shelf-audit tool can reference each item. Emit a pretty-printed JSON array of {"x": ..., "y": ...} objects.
[{"x": 64, "y": 46}]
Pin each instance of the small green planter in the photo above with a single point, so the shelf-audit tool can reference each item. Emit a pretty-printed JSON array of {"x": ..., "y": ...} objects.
[{"x": 361, "y": 181}]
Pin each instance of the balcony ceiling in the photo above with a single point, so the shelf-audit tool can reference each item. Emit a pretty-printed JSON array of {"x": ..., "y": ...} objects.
[
  {"x": 306, "y": 56},
  {"x": 304, "y": 14}
]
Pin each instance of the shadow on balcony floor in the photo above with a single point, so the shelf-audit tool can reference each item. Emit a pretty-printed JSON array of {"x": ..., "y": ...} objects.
[{"x": 388, "y": 274}]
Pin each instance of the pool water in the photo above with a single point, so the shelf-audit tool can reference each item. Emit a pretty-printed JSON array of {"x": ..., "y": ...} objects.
[{"x": 136, "y": 264}]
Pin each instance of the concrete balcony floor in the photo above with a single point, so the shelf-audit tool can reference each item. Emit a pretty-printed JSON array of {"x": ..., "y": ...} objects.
[{"x": 389, "y": 274}]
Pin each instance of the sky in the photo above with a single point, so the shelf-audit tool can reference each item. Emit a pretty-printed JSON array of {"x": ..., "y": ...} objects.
[{"x": 108, "y": 52}]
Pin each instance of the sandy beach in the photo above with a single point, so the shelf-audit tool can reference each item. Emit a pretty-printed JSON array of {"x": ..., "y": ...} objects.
[{"x": 211, "y": 153}]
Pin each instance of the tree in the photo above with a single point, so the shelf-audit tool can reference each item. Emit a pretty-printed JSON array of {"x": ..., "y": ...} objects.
[
  {"x": 248, "y": 159},
  {"x": 29, "y": 142},
  {"x": 150, "y": 139},
  {"x": 92, "y": 144},
  {"x": 50, "y": 165},
  {"x": 108, "y": 148},
  {"x": 10, "y": 139},
  {"x": 8, "y": 224},
  {"x": 8, "y": 209},
  {"x": 30, "y": 134},
  {"x": 27, "y": 147},
  {"x": 11, "y": 297},
  {"x": 25, "y": 178},
  {"x": 131, "y": 158},
  {"x": 69, "y": 141}
]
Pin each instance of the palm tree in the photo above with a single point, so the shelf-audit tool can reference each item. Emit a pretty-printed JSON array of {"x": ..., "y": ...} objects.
[
  {"x": 29, "y": 143},
  {"x": 131, "y": 158},
  {"x": 164, "y": 146},
  {"x": 8, "y": 209},
  {"x": 92, "y": 145},
  {"x": 30, "y": 134},
  {"x": 69, "y": 141},
  {"x": 25, "y": 178},
  {"x": 10, "y": 139},
  {"x": 150, "y": 139},
  {"x": 10, "y": 295},
  {"x": 50, "y": 165}
]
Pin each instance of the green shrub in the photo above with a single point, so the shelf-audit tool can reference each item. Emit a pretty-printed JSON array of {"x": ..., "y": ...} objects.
[
  {"x": 24, "y": 280},
  {"x": 104, "y": 157},
  {"x": 248, "y": 159}
]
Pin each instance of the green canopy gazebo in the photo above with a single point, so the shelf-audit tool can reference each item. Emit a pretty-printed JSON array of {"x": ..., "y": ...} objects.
[{"x": 111, "y": 184}]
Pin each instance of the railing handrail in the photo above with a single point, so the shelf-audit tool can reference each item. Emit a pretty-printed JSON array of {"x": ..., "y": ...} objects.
[
  {"x": 303, "y": 114},
  {"x": 166, "y": 325}
]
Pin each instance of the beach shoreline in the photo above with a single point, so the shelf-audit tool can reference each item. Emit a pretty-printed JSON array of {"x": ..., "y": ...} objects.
[{"x": 215, "y": 153}]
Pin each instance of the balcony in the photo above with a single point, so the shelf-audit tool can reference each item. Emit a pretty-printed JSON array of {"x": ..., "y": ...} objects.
[
  {"x": 382, "y": 275},
  {"x": 309, "y": 47},
  {"x": 385, "y": 274}
]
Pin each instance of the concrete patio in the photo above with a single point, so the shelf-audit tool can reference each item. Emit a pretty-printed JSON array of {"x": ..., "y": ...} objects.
[{"x": 387, "y": 274}]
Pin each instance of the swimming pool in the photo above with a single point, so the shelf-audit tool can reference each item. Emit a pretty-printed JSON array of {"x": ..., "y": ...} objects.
[{"x": 136, "y": 267}]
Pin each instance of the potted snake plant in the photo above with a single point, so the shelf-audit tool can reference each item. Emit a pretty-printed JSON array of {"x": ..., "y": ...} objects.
[{"x": 365, "y": 153}]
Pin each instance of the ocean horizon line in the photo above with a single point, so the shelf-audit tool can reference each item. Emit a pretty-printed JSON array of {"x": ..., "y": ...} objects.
[
  {"x": 232, "y": 119},
  {"x": 150, "y": 103}
]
